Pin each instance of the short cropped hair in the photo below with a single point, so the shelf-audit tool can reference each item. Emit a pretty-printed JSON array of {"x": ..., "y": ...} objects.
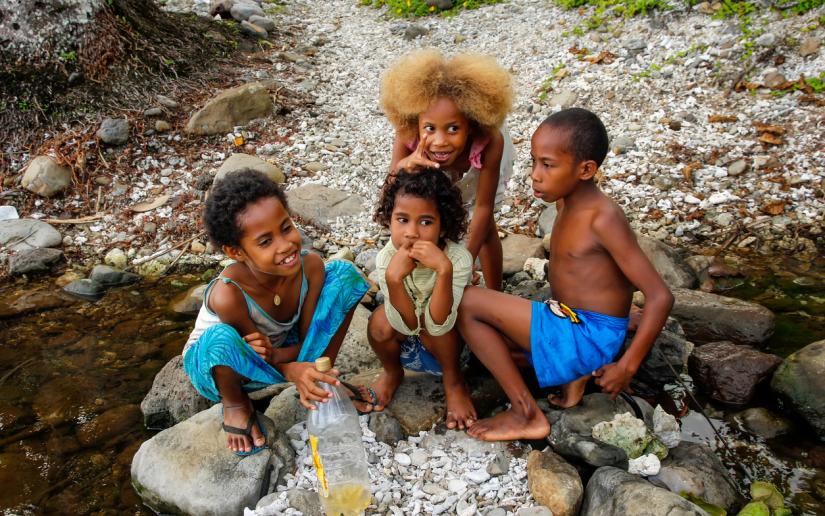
[
  {"x": 230, "y": 198},
  {"x": 480, "y": 87},
  {"x": 431, "y": 184},
  {"x": 586, "y": 136}
]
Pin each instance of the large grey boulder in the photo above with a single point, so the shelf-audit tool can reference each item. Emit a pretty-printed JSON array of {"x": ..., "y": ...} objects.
[
  {"x": 34, "y": 260},
  {"x": 800, "y": 380},
  {"x": 45, "y": 177},
  {"x": 668, "y": 263},
  {"x": 695, "y": 464},
  {"x": 613, "y": 492},
  {"x": 238, "y": 161},
  {"x": 517, "y": 248},
  {"x": 187, "y": 469},
  {"x": 232, "y": 107},
  {"x": 241, "y": 10},
  {"x": 286, "y": 410},
  {"x": 669, "y": 353},
  {"x": 189, "y": 302},
  {"x": 572, "y": 429},
  {"x": 21, "y": 234},
  {"x": 172, "y": 398},
  {"x": 730, "y": 373},
  {"x": 419, "y": 402},
  {"x": 356, "y": 355},
  {"x": 709, "y": 317},
  {"x": 321, "y": 205}
]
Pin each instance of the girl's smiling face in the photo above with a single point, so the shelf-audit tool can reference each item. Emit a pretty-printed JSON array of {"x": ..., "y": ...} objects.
[
  {"x": 270, "y": 240},
  {"x": 413, "y": 219},
  {"x": 446, "y": 130}
]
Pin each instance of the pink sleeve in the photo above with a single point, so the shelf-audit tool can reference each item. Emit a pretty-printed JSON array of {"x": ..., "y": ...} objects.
[{"x": 476, "y": 149}]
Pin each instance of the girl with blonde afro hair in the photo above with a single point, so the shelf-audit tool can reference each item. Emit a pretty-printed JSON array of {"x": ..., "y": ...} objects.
[{"x": 449, "y": 114}]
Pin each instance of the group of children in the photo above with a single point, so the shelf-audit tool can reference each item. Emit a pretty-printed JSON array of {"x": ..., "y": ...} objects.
[{"x": 272, "y": 312}]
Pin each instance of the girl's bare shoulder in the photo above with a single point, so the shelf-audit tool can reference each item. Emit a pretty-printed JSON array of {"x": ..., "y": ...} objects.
[{"x": 313, "y": 267}]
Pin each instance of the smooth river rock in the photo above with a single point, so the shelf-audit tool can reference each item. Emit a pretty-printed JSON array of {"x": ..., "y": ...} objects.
[
  {"x": 709, "y": 317},
  {"x": 554, "y": 483},
  {"x": 800, "y": 380},
  {"x": 232, "y": 107},
  {"x": 696, "y": 464},
  {"x": 730, "y": 373},
  {"x": 613, "y": 492},
  {"x": 172, "y": 398},
  {"x": 21, "y": 234},
  {"x": 668, "y": 263},
  {"x": 321, "y": 205},
  {"x": 188, "y": 468}
]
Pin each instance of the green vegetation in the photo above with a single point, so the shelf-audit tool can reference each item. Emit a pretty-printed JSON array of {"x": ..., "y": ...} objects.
[
  {"x": 801, "y": 7},
  {"x": 408, "y": 8},
  {"x": 69, "y": 57},
  {"x": 547, "y": 85},
  {"x": 626, "y": 8}
]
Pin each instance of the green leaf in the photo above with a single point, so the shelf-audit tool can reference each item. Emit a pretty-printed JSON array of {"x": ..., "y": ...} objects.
[
  {"x": 755, "y": 509},
  {"x": 768, "y": 493}
]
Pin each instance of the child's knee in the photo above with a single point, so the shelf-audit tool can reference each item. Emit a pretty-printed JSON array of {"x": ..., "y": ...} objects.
[{"x": 379, "y": 328}]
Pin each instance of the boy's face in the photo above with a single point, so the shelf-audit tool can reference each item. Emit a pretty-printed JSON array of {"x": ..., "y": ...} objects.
[
  {"x": 446, "y": 130},
  {"x": 414, "y": 219},
  {"x": 555, "y": 171},
  {"x": 270, "y": 240}
]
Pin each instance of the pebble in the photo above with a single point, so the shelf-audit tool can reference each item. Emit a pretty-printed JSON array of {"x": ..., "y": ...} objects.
[
  {"x": 403, "y": 459},
  {"x": 478, "y": 476},
  {"x": 456, "y": 485}
]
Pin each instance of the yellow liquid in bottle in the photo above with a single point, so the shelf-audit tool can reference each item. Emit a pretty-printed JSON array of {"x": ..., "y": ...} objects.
[{"x": 346, "y": 499}]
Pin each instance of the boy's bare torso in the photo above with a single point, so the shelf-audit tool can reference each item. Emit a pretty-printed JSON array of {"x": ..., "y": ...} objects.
[{"x": 583, "y": 275}]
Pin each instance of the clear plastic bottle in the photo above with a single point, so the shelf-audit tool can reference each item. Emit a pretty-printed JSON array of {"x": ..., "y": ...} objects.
[{"x": 338, "y": 452}]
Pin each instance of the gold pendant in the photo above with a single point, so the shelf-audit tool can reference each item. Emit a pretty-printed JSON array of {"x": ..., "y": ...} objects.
[{"x": 277, "y": 300}]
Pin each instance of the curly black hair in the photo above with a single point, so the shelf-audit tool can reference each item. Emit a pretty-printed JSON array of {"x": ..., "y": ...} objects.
[
  {"x": 228, "y": 200},
  {"x": 431, "y": 184}
]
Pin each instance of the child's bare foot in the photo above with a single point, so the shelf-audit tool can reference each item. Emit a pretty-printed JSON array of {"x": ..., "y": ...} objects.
[
  {"x": 239, "y": 416},
  {"x": 511, "y": 425},
  {"x": 571, "y": 394},
  {"x": 461, "y": 413},
  {"x": 385, "y": 387}
]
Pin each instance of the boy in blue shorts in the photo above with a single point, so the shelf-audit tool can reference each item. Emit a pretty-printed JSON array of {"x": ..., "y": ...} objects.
[{"x": 595, "y": 263}]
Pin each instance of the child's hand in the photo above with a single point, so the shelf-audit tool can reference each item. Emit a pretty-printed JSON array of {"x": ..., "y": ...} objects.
[
  {"x": 430, "y": 256},
  {"x": 261, "y": 344},
  {"x": 305, "y": 376},
  {"x": 419, "y": 159},
  {"x": 613, "y": 378},
  {"x": 401, "y": 265}
]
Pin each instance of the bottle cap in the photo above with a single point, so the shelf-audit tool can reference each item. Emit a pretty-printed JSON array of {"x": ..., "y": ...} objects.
[{"x": 323, "y": 364}]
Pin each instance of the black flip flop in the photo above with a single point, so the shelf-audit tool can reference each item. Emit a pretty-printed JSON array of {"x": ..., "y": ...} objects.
[
  {"x": 357, "y": 397},
  {"x": 253, "y": 420}
]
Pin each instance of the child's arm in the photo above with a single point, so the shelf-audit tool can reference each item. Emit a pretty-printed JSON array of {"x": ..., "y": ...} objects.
[
  {"x": 400, "y": 308},
  {"x": 442, "y": 308},
  {"x": 486, "y": 194},
  {"x": 303, "y": 374},
  {"x": 615, "y": 235},
  {"x": 228, "y": 302}
]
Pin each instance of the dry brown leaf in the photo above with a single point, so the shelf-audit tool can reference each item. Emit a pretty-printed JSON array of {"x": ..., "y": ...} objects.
[
  {"x": 655, "y": 214},
  {"x": 695, "y": 215},
  {"x": 721, "y": 118},
  {"x": 149, "y": 206},
  {"x": 771, "y": 139},
  {"x": 773, "y": 208},
  {"x": 689, "y": 169},
  {"x": 768, "y": 128},
  {"x": 602, "y": 57},
  {"x": 744, "y": 85},
  {"x": 578, "y": 51}
]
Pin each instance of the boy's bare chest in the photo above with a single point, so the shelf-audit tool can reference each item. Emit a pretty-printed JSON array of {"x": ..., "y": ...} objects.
[{"x": 572, "y": 238}]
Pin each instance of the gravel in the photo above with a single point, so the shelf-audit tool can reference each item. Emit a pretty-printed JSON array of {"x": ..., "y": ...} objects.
[{"x": 451, "y": 480}]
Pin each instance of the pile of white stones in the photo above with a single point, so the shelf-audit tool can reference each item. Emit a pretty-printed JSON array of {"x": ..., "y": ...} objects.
[{"x": 432, "y": 473}]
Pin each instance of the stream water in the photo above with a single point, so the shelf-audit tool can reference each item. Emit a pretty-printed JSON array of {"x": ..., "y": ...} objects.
[{"x": 65, "y": 361}]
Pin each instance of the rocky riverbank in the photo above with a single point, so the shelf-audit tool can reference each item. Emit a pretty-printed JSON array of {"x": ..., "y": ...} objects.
[{"x": 699, "y": 166}]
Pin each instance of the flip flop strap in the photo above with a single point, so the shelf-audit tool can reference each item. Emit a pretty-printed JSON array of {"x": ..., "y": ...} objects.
[{"x": 241, "y": 431}]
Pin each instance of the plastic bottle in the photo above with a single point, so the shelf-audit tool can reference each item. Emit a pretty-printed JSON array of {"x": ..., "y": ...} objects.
[{"x": 338, "y": 453}]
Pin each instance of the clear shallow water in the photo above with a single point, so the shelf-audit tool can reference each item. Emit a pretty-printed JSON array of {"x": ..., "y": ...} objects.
[{"x": 60, "y": 367}]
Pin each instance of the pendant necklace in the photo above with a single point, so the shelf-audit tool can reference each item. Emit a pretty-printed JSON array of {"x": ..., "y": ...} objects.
[{"x": 276, "y": 299}]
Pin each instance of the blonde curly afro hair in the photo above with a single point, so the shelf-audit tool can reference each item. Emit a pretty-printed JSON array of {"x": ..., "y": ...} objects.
[{"x": 479, "y": 86}]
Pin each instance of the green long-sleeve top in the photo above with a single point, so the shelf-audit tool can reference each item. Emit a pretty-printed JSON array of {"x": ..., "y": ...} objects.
[{"x": 419, "y": 286}]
